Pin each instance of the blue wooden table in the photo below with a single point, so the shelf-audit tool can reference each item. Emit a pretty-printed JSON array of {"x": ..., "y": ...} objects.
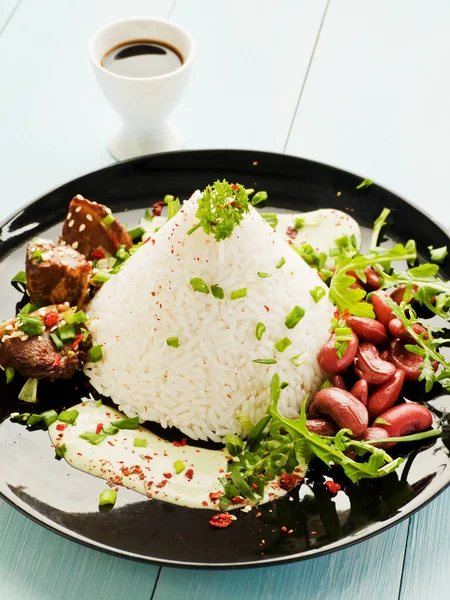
[{"x": 360, "y": 84}]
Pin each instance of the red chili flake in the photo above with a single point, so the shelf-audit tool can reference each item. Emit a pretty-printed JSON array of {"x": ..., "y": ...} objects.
[
  {"x": 51, "y": 318},
  {"x": 167, "y": 475},
  {"x": 254, "y": 486},
  {"x": 213, "y": 496},
  {"x": 189, "y": 474},
  {"x": 236, "y": 500},
  {"x": 161, "y": 484},
  {"x": 114, "y": 240},
  {"x": 233, "y": 186},
  {"x": 333, "y": 487},
  {"x": 77, "y": 341},
  {"x": 110, "y": 443},
  {"x": 221, "y": 521},
  {"x": 258, "y": 514},
  {"x": 204, "y": 503},
  {"x": 61, "y": 426},
  {"x": 267, "y": 308},
  {"x": 98, "y": 254},
  {"x": 176, "y": 444},
  {"x": 291, "y": 232},
  {"x": 56, "y": 360},
  {"x": 99, "y": 428},
  {"x": 284, "y": 528},
  {"x": 79, "y": 454},
  {"x": 287, "y": 481}
]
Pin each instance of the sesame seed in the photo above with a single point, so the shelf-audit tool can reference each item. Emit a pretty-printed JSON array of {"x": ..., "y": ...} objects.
[
  {"x": 62, "y": 243},
  {"x": 71, "y": 354},
  {"x": 54, "y": 328},
  {"x": 24, "y": 338},
  {"x": 71, "y": 223},
  {"x": 82, "y": 228},
  {"x": 75, "y": 245},
  {"x": 89, "y": 217},
  {"x": 64, "y": 263},
  {"x": 69, "y": 216},
  {"x": 39, "y": 338},
  {"x": 108, "y": 210},
  {"x": 79, "y": 197},
  {"x": 78, "y": 208}
]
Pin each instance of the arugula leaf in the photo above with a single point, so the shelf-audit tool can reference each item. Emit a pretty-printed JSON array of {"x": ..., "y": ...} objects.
[
  {"x": 365, "y": 183},
  {"x": 380, "y": 222}
]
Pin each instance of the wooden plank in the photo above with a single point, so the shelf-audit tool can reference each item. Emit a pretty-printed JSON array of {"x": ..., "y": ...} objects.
[
  {"x": 376, "y": 100},
  {"x": 7, "y": 8},
  {"x": 37, "y": 564},
  {"x": 427, "y": 555},
  {"x": 252, "y": 57},
  {"x": 370, "y": 570},
  {"x": 55, "y": 120}
]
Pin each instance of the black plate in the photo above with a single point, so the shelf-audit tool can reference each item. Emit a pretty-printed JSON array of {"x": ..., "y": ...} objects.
[{"x": 65, "y": 500}]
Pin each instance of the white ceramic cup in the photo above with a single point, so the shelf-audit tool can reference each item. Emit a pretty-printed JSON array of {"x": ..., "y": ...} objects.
[{"x": 143, "y": 103}]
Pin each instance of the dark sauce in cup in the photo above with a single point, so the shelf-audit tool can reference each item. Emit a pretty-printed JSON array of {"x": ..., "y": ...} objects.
[{"x": 142, "y": 58}]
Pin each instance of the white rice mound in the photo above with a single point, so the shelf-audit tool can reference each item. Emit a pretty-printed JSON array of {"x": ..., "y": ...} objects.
[{"x": 201, "y": 385}]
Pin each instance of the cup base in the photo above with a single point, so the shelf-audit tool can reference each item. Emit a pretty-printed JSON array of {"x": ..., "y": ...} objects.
[{"x": 126, "y": 143}]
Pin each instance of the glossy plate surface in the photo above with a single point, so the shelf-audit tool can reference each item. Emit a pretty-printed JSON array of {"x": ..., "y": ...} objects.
[{"x": 65, "y": 500}]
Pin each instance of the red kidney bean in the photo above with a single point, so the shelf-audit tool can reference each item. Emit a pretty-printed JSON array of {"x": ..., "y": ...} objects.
[
  {"x": 386, "y": 395},
  {"x": 361, "y": 391},
  {"x": 384, "y": 355},
  {"x": 356, "y": 286},
  {"x": 373, "y": 281},
  {"x": 328, "y": 359},
  {"x": 405, "y": 419},
  {"x": 369, "y": 364},
  {"x": 399, "y": 292},
  {"x": 398, "y": 330},
  {"x": 377, "y": 433},
  {"x": 368, "y": 330},
  {"x": 343, "y": 408},
  {"x": 407, "y": 361},
  {"x": 380, "y": 306},
  {"x": 338, "y": 381},
  {"x": 322, "y": 426}
]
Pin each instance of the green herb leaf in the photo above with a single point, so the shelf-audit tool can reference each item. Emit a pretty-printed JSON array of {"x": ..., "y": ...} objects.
[
  {"x": 9, "y": 373},
  {"x": 234, "y": 444},
  {"x": 132, "y": 423},
  {"x": 93, "y": 438},
  {"x": 173, "y": 206},
  {"x": 107, "y": 498},
  {"x": 299, "y": 223},
  {"x": 29, "y": 391},
  {"x": 380, "y": 222},
  {"x": 259, "y": 197},
  {"x": 198, "y": 285},
  {"x": 95, "y": 354},
  {"x": 19, "y": 281},
  {"x": 365, "y": 183},
  {"x": 438, "y": 255},
  {"x": 179, "y": 466},
  {"x": 270, "y": 218},
  {"x": 217, "y": 292}
]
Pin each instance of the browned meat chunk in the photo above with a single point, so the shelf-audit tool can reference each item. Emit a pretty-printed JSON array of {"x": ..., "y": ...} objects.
[
  {"x": 90, "y": 226},
  {"x": 36, "y": 355},
  {"x": 56, "y": 274}
]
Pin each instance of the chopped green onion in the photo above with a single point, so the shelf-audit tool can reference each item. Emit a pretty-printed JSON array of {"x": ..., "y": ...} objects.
[
  {"x": 263, "y": 275},
  {"x": 198, "y": 285},
  {"x": 107, "y": 498},
  {"x": 60, "y": 451},
  {"x": 317, "y": 293},
  {"x": 311, "y": 256},
  {"x": 173, "y": 342},
  {"x": 93, "y": 438},
  {"x": 284, "y": 384},
  {"x": 101, "y": 277},
  {"x": 179, "y": 466},
  {"x": 80, "y": 317},
  {"x": 238, "y": 294},
  {"x": 31, "y": 326},
  {"x": 299, "y": 223},
  {"x": 37, "y": 255},
  {"x": 282, "y": 344},
  {"x": 140, "y": 443},
  {"x": 343, "y": 334},
  {"x": 341, "y": 348},
  {"x": 168, "y": 199},
  {"x": 108, "y": 220},
  {"x": 95, "y": 354},
  {"x": 68, "y": 416},
  {"x": 110, "y": 430},
  {"x": 34, "y": 420},
  {"x": 217, "y": 292},
  {"x": 249, "y": 191},
  {"x": 192, "y": 229},
  {"x": 68, "y": 316},
  {"x": 259, "y": 197},
  {"x": 19, "y": 281},
  {"x": 257, "y": 430},
  {"x": 270, "y": 218},
  {"x": 244, "y": 421},
  {"x": 299, "y": 359},
  {"x": 29, "y": 391},
  {"x": 260, "y": 329},
  {"x": 380, "y": 421},
  {"x": 378, "y": 225},
  {"x": 365, "y": 183},
  {"x": 326, "y": 384},
  {"x": 49, "y": 417},
  {"x": 294, "y": 317},
  {"x": 22, "y": 418},
  {"x": 67, "y": 332},
  {"x": 126, "y": 423},
  {"x": 234, "y": 444},
  {"x": 121, "y": 253},
  {"x": 136, "y": 233},
  {"x": 98, "y": 403},
  {"x": 9, "y": 372},
  {"x": 265, "y": 361},
  {"x": 56, "y": 341},
  {"x": 148, "y": 215},
  {"x": 438, "y": 254},
  {"x": 281, "y": 262},
  {"x": 325, "y": 274},
  {"x": 173, "y": 206},
  {"x": 224, "y": 503}
]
